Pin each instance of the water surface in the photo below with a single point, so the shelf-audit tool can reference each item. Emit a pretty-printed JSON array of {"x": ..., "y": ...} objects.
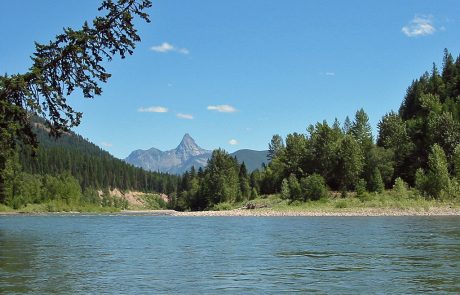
[{"x": 232, "y": 255}]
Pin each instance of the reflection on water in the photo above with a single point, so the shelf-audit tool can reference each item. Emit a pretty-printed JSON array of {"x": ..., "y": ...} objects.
[
  {"x": 16, "y": 256},
  {"x": 151, "y": 254}
]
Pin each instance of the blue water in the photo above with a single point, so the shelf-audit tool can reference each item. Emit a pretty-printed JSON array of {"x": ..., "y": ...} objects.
[{"x": 229, "y": 255}]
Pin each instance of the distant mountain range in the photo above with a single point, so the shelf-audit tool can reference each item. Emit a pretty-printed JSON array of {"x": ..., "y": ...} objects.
[{"x": 186, "y": 155}]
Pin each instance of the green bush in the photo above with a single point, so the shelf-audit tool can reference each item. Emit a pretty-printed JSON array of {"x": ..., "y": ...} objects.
[
  {"x": 222, "y": 206},
  {"x": 285, "y": 191},
  {"x": 155, "y": 202},
  {"x": 421, "y": 181},
  {"x": 254, "y": 194},
  {"x": 313, "y": 187},
  {"x": 341, "y": 204},
  {"x": 400, "y": 187},
  {"x": 294, "y": 188},
  {"x": 361, "y": 192}
]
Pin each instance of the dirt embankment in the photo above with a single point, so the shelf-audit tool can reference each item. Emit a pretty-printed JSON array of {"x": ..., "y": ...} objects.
[{"x": 135, "y": 199}]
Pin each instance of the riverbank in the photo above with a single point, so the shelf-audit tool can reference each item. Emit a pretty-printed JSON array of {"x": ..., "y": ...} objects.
[
  {"x": 266, "y": 212},
  {"x": 385, "y": 204},
  {"x": 435, "y": 211}
]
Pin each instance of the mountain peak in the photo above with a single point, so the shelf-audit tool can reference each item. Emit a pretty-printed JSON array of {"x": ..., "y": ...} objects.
[
  {"x": 188, "y": 147},
  {"x": 186, "y": 155},
  {"x": 188, "y": 141}
]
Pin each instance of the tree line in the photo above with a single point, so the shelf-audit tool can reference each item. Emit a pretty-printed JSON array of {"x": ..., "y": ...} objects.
[
  {"x": 417, "y": 146},
  {"x": 72, "y": 169}
]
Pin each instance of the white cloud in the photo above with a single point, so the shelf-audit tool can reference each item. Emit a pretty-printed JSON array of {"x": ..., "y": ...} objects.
[
  {"x": 224, "y": 108},
  {"x": 153, "y": 110},
  {"x": 329, "y": 74},
  {"x": 184, "y": 116},
  {"x": 419, "y": 26},
  {"x": 233, "y": 142},
  {"x": 165, "y": 47},
  {"x": 106, "y": 144}
]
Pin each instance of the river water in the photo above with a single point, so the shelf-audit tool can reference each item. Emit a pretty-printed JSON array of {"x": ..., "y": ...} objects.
[{"x": 229, "y": 255}]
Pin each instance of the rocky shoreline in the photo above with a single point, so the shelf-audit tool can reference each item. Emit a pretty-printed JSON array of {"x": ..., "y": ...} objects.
[
  {"x": 343, "y": 212},
  {"x": 267, "y": 212}
]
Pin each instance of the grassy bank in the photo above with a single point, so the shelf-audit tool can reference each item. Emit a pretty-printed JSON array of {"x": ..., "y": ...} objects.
[
  {"x": 387, "y": 200},
  {"x": 57, "y": 206},
  {"x": 390, "y": 202}
]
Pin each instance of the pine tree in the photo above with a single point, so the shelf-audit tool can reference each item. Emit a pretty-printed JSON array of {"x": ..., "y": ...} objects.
[
  {"x": 275, "y": 147},
  {"x": 438, "y": 174},
  {"x": 376, "y": 182},
  {"x": 347, "y": 125},
  {"x": 73, "y": 60},
  {"x": 361, "y": 130}
]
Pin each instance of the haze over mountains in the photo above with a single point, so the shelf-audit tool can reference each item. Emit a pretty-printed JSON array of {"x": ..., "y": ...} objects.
[{"x": 186, "y": 155}]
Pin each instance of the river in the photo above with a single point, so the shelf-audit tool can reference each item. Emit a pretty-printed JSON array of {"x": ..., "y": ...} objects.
[{"x": 84, "y": 254}]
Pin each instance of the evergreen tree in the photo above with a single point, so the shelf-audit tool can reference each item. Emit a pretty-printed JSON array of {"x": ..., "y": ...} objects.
[
  {"x": 275, "y": 147},
  {"x": 438, "y": 174},
  {"x": 245, "y": 189},
  {"x": 73, "y": 60},
  {"x": 221, "y": 180},
  {"x": 347, "y": 125},
  {"x": 376, "y": 182},
  {"x": 350, "y": 162},
  {"x": 361, "y": 130}
]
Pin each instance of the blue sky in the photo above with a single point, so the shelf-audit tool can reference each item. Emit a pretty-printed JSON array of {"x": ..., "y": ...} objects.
[{"x": 233, "y": 73}]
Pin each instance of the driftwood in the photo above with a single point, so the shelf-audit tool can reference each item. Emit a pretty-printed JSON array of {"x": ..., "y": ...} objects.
[{"x": 255, "y": 206}]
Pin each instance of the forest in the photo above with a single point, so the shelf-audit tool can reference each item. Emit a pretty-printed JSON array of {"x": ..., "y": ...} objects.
[
  {"x": 417, "y": 147},
  {"x": 72, "y": 170}
]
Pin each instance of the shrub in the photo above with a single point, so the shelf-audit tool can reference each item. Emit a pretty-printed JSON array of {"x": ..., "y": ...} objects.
[
  {"x": 155, "y": 202},
  {"x": 421, "y": 181},
  {"x": 436, "y": 182},
  {"x": 361, "y": 192},
  {"x": 254, "y": 194},
  {"x": 294, "y": 188},
  {"x": 456, "y": 160},
  {"x": 222, "y": 206},
  {"x": 400, "y": 187},
  {"x": 341, "y": 204},
  {"x": 285, "y": 191},
  {"x": 313, "y": 187}
]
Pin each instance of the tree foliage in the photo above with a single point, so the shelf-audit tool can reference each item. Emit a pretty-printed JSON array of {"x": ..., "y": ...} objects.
[{"x": 74, "y": 60}]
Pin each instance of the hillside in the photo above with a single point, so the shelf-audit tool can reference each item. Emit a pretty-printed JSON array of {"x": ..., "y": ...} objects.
[
  {"x": 252, "y": 159},
  {"x": 90, "y": 165}
]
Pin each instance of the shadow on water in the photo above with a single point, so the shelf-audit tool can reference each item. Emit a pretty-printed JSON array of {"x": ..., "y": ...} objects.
[
  {"x": 17, "y": 255},
  {"x": 27, "y": 265},
  {"x": 311, "y": 254}
]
